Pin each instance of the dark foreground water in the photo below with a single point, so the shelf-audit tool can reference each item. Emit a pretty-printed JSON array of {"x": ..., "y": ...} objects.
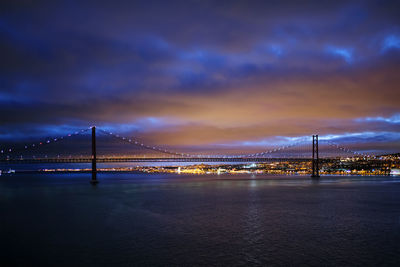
[{"x": 171, "y": 220}]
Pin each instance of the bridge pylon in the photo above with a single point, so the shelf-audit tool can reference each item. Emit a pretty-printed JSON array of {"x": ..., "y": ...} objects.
[
  {"x": 94, "y": 180},
  {"x": 315, "y": 158}
]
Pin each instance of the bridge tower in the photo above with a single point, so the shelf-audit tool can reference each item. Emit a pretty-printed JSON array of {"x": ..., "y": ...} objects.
[
  {"x": 94, "y": 180},
  {"x": 315, "y": 157}
]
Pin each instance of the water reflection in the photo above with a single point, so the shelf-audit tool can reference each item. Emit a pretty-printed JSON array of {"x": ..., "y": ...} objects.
[{"x": 202, "y": 220}]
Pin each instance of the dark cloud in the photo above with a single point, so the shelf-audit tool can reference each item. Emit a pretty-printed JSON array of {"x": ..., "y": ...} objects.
[{"x": 228, "y": 71}]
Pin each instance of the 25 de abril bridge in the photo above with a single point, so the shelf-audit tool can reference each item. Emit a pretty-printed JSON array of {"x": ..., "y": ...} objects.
[{"x": 309, "y": 155}]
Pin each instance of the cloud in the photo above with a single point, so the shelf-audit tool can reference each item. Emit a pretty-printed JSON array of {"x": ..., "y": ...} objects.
[
  {"x": 391, "y": 42},
  {"x": 395, "y": 119},
  {"x": 346, "y": 54},
  {"x": 200, "y": 72}
]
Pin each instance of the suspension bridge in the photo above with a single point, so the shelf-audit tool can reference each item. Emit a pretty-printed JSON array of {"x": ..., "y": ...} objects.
[{"x": 300, "y": 151}]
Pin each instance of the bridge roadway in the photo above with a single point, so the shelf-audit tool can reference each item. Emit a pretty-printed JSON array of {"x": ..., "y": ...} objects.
[{"x": 137, "y": 159}]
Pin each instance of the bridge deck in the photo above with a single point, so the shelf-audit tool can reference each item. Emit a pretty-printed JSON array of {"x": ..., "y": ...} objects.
[{"x": 135, "y": 159}]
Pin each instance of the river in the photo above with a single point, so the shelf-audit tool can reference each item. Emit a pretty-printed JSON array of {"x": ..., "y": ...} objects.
[{"x": 133, "y": 219}]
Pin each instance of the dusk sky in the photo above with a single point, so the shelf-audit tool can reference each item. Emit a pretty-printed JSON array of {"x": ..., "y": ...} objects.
[{"x": 202, "y": 73}]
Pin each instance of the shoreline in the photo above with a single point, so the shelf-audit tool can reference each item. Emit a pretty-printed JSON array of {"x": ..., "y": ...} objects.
[{"x": 71, "y": 171}]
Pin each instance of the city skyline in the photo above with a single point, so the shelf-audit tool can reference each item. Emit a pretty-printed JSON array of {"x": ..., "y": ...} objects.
[{"x": 223, "y": 75}]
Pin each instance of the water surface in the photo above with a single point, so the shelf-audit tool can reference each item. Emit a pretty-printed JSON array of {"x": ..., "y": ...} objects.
[{"x": 181, "y": 220}]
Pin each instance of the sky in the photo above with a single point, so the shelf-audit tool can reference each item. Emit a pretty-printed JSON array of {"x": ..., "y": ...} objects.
[{"x": 200, "y": 73}]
